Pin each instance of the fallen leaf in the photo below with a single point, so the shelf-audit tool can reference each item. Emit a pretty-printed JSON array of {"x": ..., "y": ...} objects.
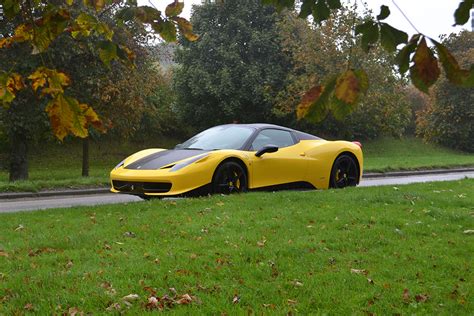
[
  {"x": 292, "y": 302},
  {"x": 421, "y": 298},
  {"x": 370, "y": 281},
  {"x": 154, "y": 303},
  {"x": 74, "y": 311},
  {"x": 114, "y": 307},
  {"x": 131, "y": 297},
  {"x": 359, "y": 271},
  {"x": 69, "y": 264},
  {"x": 184, "y": 300},
  {"x": 28, "y": 307},
  {"x": 130, "y": 234},
  {"x": 20, "y": 227},
  {"x": 235, "y": 299},
  {"x": 406, "y": 295},
  {"x": 3, "y": 253},
  {"x": 220, "y": 203},
  {"x": 261, "y": 243},
  {"x": 297, "y": 283},
  {"x": 469, "y": 231},
  {"x": 193, "y": 256}
]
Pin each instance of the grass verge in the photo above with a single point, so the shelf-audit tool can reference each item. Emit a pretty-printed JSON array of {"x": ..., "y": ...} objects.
[
  {"x": 411, "y": 154},
  {"x": 56, "y": 167},
  {"x": 397, "y": 250}
]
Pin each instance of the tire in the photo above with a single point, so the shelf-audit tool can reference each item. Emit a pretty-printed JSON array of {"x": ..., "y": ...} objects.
[
  {"x": 230, "y": 177},
  {"x": 344, "y": 172}
]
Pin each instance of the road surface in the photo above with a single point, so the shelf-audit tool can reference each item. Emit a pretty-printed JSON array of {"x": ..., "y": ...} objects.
[{"x": 29, "y": 204}]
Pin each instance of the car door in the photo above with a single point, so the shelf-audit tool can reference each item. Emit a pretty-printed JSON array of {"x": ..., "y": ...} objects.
[{"x": 287, "y": 165}]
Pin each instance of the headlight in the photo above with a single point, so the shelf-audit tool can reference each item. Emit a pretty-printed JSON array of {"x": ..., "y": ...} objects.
[
  {"x": 120, "y": 164},
  {"x": 183, "y": 164}
]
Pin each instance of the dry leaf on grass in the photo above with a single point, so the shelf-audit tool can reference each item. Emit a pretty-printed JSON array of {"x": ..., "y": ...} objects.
[
  {"x": 406, "y": 295},
  {"x": 235, "y": 299},
  {"x": 131, "y": 297},
  {"x": 359, "y": 271},
  {"x": 421, "y": 298}
]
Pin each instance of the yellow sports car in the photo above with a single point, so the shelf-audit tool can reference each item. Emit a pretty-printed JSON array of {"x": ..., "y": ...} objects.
[{"x": 240, "y": 157}]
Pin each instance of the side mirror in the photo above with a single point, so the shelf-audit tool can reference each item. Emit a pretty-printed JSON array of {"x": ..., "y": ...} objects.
[{"x": 266, "y": 149}]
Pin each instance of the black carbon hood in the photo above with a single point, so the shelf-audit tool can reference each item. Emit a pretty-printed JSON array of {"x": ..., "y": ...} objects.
[{"x": 163, "y": 158}]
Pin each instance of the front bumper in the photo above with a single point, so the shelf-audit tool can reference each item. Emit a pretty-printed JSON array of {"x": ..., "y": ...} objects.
[{"x": 162, "y": 182}]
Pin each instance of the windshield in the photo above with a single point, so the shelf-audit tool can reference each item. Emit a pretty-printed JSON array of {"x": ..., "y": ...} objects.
[{"x": 219, "y": 137}]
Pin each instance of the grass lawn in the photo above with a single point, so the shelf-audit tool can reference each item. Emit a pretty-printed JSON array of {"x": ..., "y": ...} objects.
[
  {"x": 411, "y": 154},
  {"x": 382, "y": 250},
  {"x": 60, "y": 166}
]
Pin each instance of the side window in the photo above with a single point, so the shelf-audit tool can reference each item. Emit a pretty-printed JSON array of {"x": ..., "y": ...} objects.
[{"x": 274, "y": 137}]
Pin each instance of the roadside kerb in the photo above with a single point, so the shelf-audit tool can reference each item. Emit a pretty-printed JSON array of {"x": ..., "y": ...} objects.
[{"x": 102, "y": 190}]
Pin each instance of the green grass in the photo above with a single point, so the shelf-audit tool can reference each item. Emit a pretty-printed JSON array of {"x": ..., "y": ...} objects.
[
  {"x": 57, "y": 166},
  {"x": 411, "y": 154},
  {"x": 279, "y": 252}
]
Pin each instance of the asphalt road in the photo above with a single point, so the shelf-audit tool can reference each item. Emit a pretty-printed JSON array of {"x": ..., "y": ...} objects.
[{"x": 29, "y": 204}]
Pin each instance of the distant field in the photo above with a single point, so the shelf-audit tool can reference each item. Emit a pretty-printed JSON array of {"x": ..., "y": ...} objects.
[
  {"x": 411, "y": 154},
  {"x": 402, "y": 250},
  {"x": 56, "y": 166}
]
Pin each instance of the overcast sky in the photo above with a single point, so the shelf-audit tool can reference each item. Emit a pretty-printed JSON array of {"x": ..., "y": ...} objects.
[{"x": 431, "y": 17}]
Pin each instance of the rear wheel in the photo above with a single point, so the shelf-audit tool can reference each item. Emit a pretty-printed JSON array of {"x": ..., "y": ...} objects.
[
  {"x": 344, "y": 173},
  {"x": 229, "y": 178}
]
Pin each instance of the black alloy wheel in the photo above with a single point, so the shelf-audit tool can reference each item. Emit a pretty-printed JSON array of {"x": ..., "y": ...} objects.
[
  {"x": 344, "y": 173},
  {"x": 229, "y": 178}
]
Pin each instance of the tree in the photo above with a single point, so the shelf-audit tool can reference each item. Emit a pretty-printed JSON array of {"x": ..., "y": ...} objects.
[
  {"x": 449, "y": 117},
  {"x": 38, "y": 24},
  {"x": 68, "y": 35},
  {"x": 322, "y": 51},
  {"x": 346, "y": 89},
  {"x": 235, "y": 68}
]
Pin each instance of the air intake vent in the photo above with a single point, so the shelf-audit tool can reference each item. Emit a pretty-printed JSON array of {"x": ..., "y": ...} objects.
[{"x": 141, "y": 187}]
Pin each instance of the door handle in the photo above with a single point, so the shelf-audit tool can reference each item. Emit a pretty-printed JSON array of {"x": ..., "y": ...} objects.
[{"x": 302, "y": 154}]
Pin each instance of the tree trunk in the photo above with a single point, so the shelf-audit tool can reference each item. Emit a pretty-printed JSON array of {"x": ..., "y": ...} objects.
[
  {"x": 85, "y": 157},
  {"x": 18, "y": 157}
]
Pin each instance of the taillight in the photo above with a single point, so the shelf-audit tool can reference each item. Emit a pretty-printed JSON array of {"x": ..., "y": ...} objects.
[{"x": 358, "y": 144}]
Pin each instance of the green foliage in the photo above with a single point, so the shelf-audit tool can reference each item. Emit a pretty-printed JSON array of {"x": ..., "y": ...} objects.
[
  {"x": 424, "y": 71},
  {"x": 235, "y": 68},
  {"x": 449, "y": 118},
  {"x": 322, "y": 53},
  {"x": 38, "y": 25}
]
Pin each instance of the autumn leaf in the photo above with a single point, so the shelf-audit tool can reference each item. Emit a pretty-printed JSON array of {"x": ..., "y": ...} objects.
[
  {"x": 425, "y": 70},
  {"x": 421, "y": 298},
  {"x": 308, "y": 99},
  {"x": 359, "y": 271},
  {"x": 319, "y": 109},
  {"x": 406, "y": 296},
  {"x": 451, "y": 67},
  {"x": 175, "y": 8},
  {"x": 166, "y": 29},
  {"x": 350, "y": 85},
  {"x": 186, "y": 29}
]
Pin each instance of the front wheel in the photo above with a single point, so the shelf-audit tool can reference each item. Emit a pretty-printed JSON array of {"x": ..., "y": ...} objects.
[
  {"x": 344, "y": 172},
  {"x": 230, "y": 177}
]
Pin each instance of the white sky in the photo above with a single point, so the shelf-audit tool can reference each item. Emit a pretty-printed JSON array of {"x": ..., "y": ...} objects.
[{"x": 431, "y": 17}]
